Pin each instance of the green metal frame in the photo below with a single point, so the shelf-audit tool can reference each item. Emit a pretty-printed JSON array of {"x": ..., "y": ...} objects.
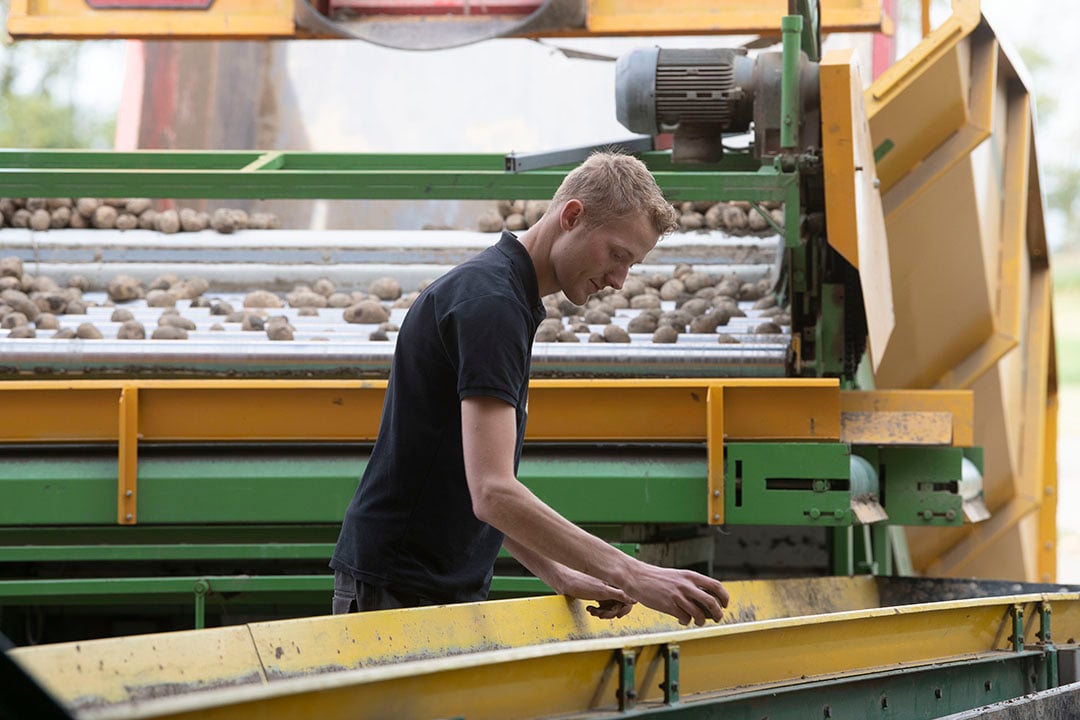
[
  {"x": 918, "y": 693},
  {"x": 354, "y": 176},
  {"x": 787, "y": 484},
  {"x": 920, "y": 485},
  {"x": 234, "y": 591},
  {"x": 279, "y": 486}
]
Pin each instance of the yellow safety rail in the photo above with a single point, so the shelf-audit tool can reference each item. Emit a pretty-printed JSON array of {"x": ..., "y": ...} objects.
[{"x": 539, "y": 657}]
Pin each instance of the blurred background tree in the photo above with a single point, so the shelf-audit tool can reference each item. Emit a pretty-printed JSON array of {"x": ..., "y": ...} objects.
[{"x": 38, "y": 104}]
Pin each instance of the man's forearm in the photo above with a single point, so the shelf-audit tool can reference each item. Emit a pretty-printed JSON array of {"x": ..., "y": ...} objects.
[
  {"x": 542, "y": 567},
  {"x": 531, "y": 525}
]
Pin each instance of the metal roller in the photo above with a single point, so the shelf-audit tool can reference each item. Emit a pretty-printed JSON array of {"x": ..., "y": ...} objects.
[{"x": 194, "y": 358}]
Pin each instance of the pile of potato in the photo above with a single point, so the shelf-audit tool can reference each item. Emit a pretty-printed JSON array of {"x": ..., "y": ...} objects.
[
  {"x": 735, "y": 218},
  {"x": 704, "y": 304},
  {"x": 513, "y": 215},
  {"x": 124, "y": 214},
  {"x": 30, "y": 305},
  {"x": 38, "y": 306}
]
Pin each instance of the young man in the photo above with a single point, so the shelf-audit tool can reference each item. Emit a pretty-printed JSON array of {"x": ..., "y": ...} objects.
[{"x": 440, "y": 494}]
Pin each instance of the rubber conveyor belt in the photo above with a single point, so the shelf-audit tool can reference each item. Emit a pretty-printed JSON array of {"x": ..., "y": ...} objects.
[{"x": 784, "y": 647}]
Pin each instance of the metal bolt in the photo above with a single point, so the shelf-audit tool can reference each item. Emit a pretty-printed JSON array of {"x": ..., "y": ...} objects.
[
  {"x": 1049, "y": 545},
  {"x": 716, "y": 493},
  {"x": 838, "y": 514},
  {"x": 128, "y": 493},
  {"x": 950, "y": 514},
  {"x": 927, "y": 515},
  {"x": 716, "y": 517},
  {"x": 815, "y": 513},
  {"x": 128, "y": 516},
  {"x": 1049, "y": 490},
  {"x": 877, "y": 183}
]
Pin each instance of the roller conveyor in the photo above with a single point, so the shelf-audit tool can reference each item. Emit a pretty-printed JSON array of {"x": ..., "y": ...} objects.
[
  {"x": 214, "y": 358},
  {"x": 325, "y": 346}
]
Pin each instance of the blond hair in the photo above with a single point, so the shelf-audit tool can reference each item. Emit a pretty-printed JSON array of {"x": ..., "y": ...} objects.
[{"x": 612, "y": 186}]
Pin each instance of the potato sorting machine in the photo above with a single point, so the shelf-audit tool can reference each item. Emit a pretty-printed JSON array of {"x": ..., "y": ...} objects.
[{"x": 880, "y": 468}]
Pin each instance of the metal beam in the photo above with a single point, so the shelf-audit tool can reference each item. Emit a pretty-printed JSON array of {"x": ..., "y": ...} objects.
[
  {"x": 547, "y": 657},
  {"x": 329, "y": 176}
]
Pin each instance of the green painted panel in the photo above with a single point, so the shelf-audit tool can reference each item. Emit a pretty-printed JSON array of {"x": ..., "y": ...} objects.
[
  {"x": 271, "y": 486},
  {"x": 46, "y": 490},
  {"x": 667, "y": 487},
  {"x": 787, "y": 484},
  {"x": 278, "y": 485}
]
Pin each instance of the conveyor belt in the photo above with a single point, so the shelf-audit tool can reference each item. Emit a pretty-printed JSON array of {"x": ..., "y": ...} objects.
[
  {"x": 278, "y": 259},
  {"x": 325, "y": 346}
]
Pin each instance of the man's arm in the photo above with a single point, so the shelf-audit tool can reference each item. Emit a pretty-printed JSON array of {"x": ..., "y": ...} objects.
[
  {"x": 488, "y": 439},
  {"x": 612, "y": 602}
]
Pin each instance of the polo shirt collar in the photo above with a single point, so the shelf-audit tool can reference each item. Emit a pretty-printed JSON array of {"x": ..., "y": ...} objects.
[{"x": 519, "y": 257}]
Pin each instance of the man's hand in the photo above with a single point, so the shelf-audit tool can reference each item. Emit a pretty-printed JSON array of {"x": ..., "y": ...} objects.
[
  {"x": 685, "y": 594},
  {"x": 535, "y": 532},
  {"x": 612, "y": 602}
]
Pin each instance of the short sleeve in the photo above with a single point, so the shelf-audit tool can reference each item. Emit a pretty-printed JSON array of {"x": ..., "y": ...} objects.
[{"x": 490, "y": 339}]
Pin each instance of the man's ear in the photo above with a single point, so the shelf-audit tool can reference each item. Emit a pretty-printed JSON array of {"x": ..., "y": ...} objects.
[{"x": 571, "y": 212}]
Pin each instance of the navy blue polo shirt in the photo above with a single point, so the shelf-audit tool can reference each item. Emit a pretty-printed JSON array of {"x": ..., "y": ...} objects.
[{"x": 410, "y": 525}]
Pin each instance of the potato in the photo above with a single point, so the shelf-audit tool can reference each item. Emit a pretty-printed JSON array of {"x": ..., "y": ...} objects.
[
  {"x": 665, "y": 334},
  {"x": 168, "y": 332},
  {"x": 60, "y": 218},
  {"x": 131, "y": 330},
  {"x": 87, "y": 331},
  {"x": 489, "y": 221},
  {"x": 262, "y": 299},
  {"x": 126, "y": 221},
  {"x": 104, "y": 218},
  {"x": 87, "y": 206}
]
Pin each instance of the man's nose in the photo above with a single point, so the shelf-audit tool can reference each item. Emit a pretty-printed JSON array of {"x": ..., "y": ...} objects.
[{"x": 616, "y": 278}]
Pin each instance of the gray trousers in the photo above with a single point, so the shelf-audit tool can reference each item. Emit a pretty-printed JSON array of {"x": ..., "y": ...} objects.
[{"x": 352, "y": 595}]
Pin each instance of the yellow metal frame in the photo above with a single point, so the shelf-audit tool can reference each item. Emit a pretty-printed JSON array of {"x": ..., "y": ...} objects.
[
  {"x": 530, "y": 658},
  {"x": 855, "y": 220},
  {"x": 634, "y": 410},
  {"x": 224, "y": 19},
  {"x": 958, "y": 115},
  {"x": 130, "y": 412},
  {"x": 934, "y": 105},
  {"x": 258, "y": 19},
  {"x": 732, "y": 17}
]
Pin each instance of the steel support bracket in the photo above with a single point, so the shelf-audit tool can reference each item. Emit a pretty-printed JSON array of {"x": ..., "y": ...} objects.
[
  {"x": 1047, "y": 643},
  {"x": 201, "y": 589},
  {"x": 670, "y": 686},
  {"x": 1016, "y": 614},
  {"x": 714, "y": 448},
  {"x": 627, "y": 692},
  {"x": 128, "y": 441}
]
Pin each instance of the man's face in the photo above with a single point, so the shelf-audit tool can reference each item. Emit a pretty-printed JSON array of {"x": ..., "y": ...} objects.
[{"x": 588, "y": 259}]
